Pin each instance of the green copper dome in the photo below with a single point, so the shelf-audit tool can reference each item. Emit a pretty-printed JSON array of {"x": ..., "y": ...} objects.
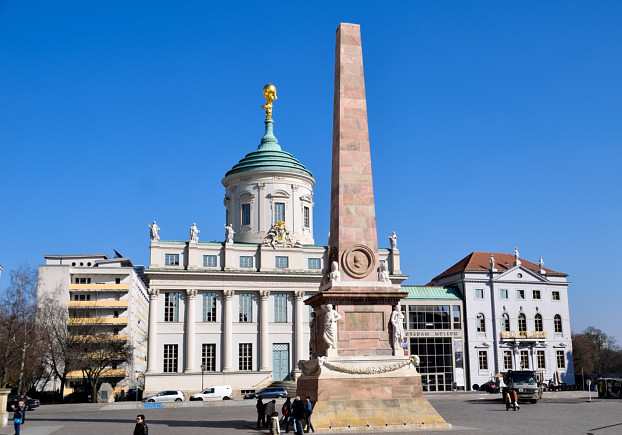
[{"x": 269, "y": 156}]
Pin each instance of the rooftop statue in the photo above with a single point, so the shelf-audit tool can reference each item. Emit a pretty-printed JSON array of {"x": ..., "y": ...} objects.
[
  {"x": 269, "y": 93},
  {"x": 194, "y": 233},
  {"x": 154, "y": 231}
]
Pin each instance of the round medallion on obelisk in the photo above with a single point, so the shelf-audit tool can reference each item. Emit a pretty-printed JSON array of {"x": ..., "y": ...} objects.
[{"x": 358, "y": 261}]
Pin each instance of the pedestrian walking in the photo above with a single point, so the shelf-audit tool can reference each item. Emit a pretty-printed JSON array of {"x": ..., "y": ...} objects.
[
  {"x": 21, "y": 404},
  {"x": 286, "y": 411},
  {"x": 141, "y": 427},
  {"x": 260, "y": 413},
  {"x": 18, "y": 419},
  {"x": 298, "y": 412},
  {"x": 268, "y": 410},
  {"x": 308, "y": 412}
]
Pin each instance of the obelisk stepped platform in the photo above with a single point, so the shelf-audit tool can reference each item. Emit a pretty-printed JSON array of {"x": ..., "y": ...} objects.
[{"x": 359, "y": 375}]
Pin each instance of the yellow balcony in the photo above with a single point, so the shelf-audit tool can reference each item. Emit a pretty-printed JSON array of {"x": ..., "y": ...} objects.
[
  {"x": 523, "y": 335},
  {"x": 108, "y": 373},
  {"x": 100, "y": 287},
  {"x": 101, "y": 303},
  {"x": 84, "y": 321}
]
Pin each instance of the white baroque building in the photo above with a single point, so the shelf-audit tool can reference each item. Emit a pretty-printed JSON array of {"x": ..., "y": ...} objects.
[
  {"x": 516, "y": 316},
  {"x": 232, "y": 312}
]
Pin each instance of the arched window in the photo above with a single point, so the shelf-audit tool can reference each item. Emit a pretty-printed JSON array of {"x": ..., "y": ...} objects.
[
  {"x": 506, "y": 322},
  {"x": 538, "y": 323},
  {"x": 481, "y": 323},
  {"x": 522, "y": 323},
  {"x": 557, "y": 321}
]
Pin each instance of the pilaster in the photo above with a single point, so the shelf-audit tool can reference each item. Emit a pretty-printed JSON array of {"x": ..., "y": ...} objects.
[
  {"x": 227, "y": 334},
  {"x": 189, "y": 331},
  {"x": 264, "y": 336},
  {"x": 152, "y": 349}
]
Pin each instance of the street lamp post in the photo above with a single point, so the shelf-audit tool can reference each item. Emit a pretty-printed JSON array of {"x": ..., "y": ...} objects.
[{"x": 202, "y": 372}]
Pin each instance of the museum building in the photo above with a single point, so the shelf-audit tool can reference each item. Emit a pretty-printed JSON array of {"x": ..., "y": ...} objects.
[{"x": 232, "y": 312}]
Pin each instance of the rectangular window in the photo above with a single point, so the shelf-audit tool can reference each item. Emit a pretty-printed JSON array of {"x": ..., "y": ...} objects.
[
  {"x": 209, "y": 307},
  {"x": 429, "y": 317},
  {"x": 171, "y": 259},
  {"x": 282, "y": 262},
  {"x": 536, "y": 294},
  {"x": 279, "y": 212},
  {"x": 556, "y": 296},
  {"x": 479, "y": 293},
  {"x": 520, "y": 294},
  {"x": 246, "y": 307},
  {"x": 245, "y": 358},
  {"x": 315, "y": 263},
  {"x": 507, "y": 360},
  {"x": 561, "y": 360},
  {"x": 280, "y": 307},
  {"x": 524, "y": 360},
  {"x": 210, "y": 261},
  {"x": 306, "y": 216},
  {"x": 455, "y": 310},
  {"x": 246, "y": 262},
  {"x": 171, "y": 307},
  {"x": 208, "y": 357},
  {"x": 483, "y": 360},
  {"x": 503, "y": 293},
  {"x": 541, "y": 359},
  {"x": 170, "y": 358},
  {"x": 246, "y": 214}
]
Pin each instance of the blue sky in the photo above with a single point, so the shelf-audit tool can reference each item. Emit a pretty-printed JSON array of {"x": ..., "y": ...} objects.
[{"x": 493, "y": 125}]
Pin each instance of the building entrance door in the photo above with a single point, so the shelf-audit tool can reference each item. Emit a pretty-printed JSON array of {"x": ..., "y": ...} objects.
[
  {"x": 433, "y": 382},
  {"x": 280, "y": 361}
]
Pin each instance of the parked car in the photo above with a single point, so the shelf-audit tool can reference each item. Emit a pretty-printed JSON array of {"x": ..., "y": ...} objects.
[
  {"x": 491, "y": 387},
  {"x": 78, "y": 397},
  {"x": 217, "y": 392},
  {"x": 249, "y": 395},
  {"x": 13, "y": 399},
  {"x": 166, "y": 396},
  {"x": 272, "y": 393}
]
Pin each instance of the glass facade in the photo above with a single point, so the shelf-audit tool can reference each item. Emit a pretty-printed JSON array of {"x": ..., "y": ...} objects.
[
  {"x": 437, "y": 367},
  {"x": 434, "y": 317}
]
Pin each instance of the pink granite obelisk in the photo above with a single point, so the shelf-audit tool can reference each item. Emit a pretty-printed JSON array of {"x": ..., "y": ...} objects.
[{"x": 358, "y": 374}]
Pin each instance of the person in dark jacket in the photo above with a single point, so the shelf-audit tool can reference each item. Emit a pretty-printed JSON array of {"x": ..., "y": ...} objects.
[
  {"x": 298, "y": 412},
  {"x": 308, "y": 412},
  {"x": 261, "y": 422},
  {"x": 141, "y": 427},
  {"x": 18, "y": 419},
  {"x": 286, "y": 412}
]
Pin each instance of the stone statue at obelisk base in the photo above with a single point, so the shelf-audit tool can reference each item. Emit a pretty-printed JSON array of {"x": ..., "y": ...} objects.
[{"x": 359, "y": 375}]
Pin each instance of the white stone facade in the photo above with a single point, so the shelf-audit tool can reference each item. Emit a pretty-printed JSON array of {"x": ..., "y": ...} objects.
[
  {"x": 277, "y": 322},
  {"x": 531, "y": 300},
  {"x": 262, "y": 192}
]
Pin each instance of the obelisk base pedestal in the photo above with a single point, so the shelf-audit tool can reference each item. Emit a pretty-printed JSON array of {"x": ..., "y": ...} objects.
[{"x": 367, "y": 393}]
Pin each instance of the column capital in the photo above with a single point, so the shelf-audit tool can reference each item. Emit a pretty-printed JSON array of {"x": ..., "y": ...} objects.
[
  {"x": 228, "y": 294},
  {"x": 264, "y": 294},
  {"x": 154, "y": 292},
  {"x": 299, "y": 294},
  {"x": 191, "y": 293}
]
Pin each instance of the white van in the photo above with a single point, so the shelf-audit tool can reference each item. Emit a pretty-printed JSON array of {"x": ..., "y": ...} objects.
[{"x": 217, "y": 392}]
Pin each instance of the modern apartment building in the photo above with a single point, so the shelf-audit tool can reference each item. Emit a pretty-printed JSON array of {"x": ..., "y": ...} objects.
[{"x": 107, "y": 295}]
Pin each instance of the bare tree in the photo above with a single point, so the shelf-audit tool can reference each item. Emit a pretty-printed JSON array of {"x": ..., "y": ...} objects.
[
  {"x": 18, "y": 327},
  {"x": 57, "y": 338},
  {"x": 98, "y": 353}
]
